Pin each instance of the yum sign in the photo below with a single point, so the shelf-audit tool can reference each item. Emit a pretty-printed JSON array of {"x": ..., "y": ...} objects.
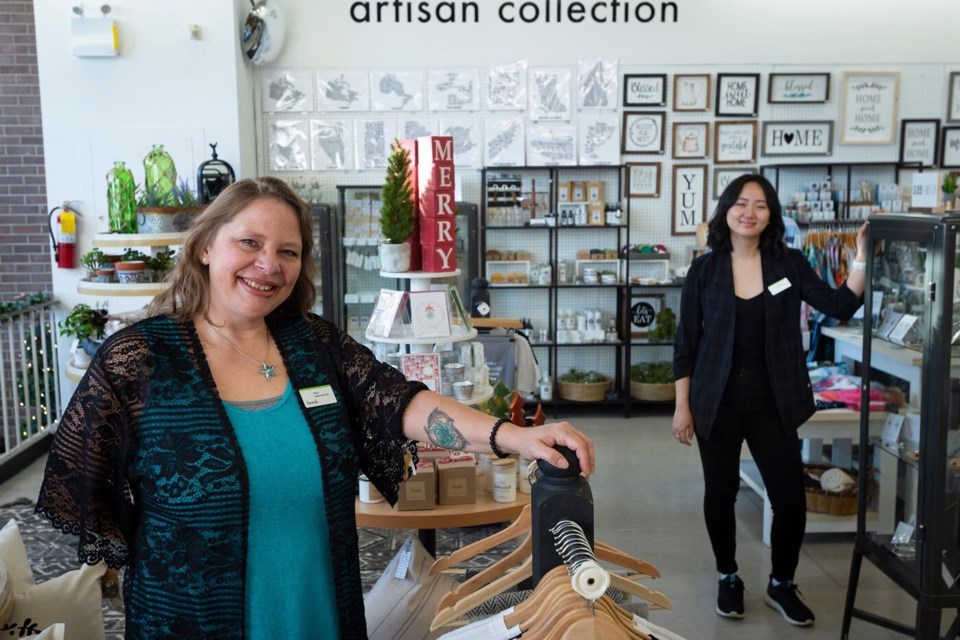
[{"x": 797, "y": 138}]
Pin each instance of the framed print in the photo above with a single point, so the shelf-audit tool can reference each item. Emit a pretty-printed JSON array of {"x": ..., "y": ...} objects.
[
  {"x": 953, "y": 97},
  {"x": 643, "y": 179},
  {"x": 735, "y": 142},
  {"x": 798, "y": 138},
  {"x": 723, "y": 177},
  {"x": 950, "y": 148},
  {"x": 642, "y": 310},
  {"x": 918, "y": 142},
  {"x": 689, "y": 198},
  {"x": 798, "y": 87},
  {"x": 868, "y": 111},
  {"x": 691, "y": 92},
  {"x": 738, "y": 94},
  {"x": 642, "y": 132},
  {"x": 641, "y": 90},
  {"x": 690, "y": 140}
]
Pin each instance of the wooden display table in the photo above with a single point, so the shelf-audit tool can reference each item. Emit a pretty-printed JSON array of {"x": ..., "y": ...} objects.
[{"x": 485, "y": 511}]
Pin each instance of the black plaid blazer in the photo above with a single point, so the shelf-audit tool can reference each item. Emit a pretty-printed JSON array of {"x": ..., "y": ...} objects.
[{"x": 704, "y": 344}]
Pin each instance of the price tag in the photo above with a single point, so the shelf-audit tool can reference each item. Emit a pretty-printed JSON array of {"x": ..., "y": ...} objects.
[
  {"x": 891, "y": 428},
  {"x": 406, "y": 553}
]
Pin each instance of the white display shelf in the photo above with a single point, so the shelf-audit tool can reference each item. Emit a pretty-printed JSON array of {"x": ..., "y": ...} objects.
[
  {"x": 419, "y": 275},
  {"x": 138, "y": 289},
  {"x": 409, "y": 338},
  {"x": 123, "y": 240},
  {"x": 74, "y": 372}
]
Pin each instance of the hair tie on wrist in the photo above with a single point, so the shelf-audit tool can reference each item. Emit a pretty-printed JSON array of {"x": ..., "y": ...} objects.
[
  {"x": 858, "y": 265},
  {"x": 493, "y": 437}
]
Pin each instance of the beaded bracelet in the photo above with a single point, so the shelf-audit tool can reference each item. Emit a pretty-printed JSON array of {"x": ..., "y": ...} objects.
[{"x": 493, "y": 437}]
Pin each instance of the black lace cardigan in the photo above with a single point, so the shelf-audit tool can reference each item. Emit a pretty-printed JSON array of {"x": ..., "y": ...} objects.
[{"x": 146, "y": 469}]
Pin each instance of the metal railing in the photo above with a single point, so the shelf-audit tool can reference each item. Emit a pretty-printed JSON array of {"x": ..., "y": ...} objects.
[{"x": 29, "y": 376}]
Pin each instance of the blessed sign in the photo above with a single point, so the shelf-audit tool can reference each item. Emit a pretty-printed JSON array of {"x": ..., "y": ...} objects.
[{"x": 797, "y": 138}]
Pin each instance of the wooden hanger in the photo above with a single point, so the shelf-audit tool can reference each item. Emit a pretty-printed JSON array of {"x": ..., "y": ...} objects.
[
  {"x": 515, "y": 529},
  {"x": 656, "y": 598},
  {"x": 486, "y": 576},
  {"x": 611, "y": 554},
  {"x": 501, "y": 584}
]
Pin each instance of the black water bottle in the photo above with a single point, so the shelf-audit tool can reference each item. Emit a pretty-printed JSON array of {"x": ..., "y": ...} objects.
[{"x": 558, "y": 494}]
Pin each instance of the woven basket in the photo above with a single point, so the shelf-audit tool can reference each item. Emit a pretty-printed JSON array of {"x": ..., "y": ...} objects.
[
  {"x": 652, "y": 392},
  {"x": 834, "y": 503},
  {"x": 585, "y": 392}
]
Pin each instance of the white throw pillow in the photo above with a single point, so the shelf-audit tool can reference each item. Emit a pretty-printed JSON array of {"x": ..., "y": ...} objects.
[
  {"x": 73, "y": 599},
  {"x": 403, "y": 608}
]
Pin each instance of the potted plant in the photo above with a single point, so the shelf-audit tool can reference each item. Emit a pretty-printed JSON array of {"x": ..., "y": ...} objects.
[
  {"x": 91, "y": 261},
  {"x": 949, "y": 188},
  {"x": 131, "y": 266},
  {"x": 665, "y": 326},
  {"x": 166, "y": 211},
  {"x": 396, "y": 213},
  {"x": 86, "y": 324},
  {"x": 585, "y": 386},
  {"x": 160, "y": 264},
  {"x": 652, "y": 381}
]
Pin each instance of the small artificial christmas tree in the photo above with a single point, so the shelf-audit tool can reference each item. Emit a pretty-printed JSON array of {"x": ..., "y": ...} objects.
[{"x": 396, "y": 199}]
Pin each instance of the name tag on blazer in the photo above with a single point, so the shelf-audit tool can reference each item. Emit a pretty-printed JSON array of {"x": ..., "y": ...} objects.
[
  {"x": 318, "y": 396},
  {"x": 779, "y": 286}
]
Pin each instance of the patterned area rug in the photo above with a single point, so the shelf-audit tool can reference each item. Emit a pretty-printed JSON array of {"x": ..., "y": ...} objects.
[{"x": 52, "y": 553}]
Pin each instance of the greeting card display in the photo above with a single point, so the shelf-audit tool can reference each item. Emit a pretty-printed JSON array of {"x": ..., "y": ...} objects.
[
  {"x": 385, "y": 312},
  {"x": 429, "y": 314},
  {"x": 422, "y": 367}
]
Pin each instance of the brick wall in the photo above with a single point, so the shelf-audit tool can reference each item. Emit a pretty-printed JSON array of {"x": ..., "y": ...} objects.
[{"x": 24, "y": 243}]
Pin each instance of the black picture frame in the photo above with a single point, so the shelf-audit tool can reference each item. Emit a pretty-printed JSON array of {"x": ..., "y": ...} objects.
[
  {"x": 637, "y": 92},
  {"x": 950, "y": 147},
  {"x": 932, "y": 141},
  {"x": 734, "y": 99},
  {"x": 642, "y": 132},
  {"x": 812, "y": 88}
]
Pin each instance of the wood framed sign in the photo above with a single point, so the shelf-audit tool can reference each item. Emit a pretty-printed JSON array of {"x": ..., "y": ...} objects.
[
  {"x": 642, "y": 132},
  {"x": 785, "y": 88},
  {"x": 953, "y": 97},
  {"x": 798, "y": 138},
  {"x": 643, "y": 90},
  {"x": 723, "y": 177},
  {"x": 691, "y": 92},
  {"x": 738, "y": 94},
  {"x": 950, "y": 148},
  {"x": 919, "y": 140},
  {"x": 643, "y": 179},
  {"x": 868, "y": 111},
  {"x": 691, "y": 140},
  {"x": 735, "y": 142},
  {"x": 689, "y": 198}
]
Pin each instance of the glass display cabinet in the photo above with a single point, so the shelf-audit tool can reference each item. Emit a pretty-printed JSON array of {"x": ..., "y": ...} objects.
[{"x": 914, "y": 311}]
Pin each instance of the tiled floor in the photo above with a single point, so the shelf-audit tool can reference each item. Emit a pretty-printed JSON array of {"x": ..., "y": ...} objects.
[{"x": 648, "y": 492}]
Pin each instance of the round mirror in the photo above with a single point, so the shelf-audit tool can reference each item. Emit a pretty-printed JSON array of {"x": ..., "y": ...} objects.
[{"x": 262, "y": 35}]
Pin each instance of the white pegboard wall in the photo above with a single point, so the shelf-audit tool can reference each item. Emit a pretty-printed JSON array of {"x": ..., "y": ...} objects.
[{"x": 922, "y": 94}]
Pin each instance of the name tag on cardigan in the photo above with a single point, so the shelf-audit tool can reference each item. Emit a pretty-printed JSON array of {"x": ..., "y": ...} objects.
[
  {"x": 318, "y": 396},
  {"x": 779, "y": 286}
]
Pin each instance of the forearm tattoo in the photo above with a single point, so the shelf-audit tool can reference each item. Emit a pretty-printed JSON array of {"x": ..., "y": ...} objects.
[{"x": 442, "y": 432}]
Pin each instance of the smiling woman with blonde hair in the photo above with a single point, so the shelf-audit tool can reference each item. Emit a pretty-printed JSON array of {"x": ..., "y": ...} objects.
[{"x": 213, "y": 449}]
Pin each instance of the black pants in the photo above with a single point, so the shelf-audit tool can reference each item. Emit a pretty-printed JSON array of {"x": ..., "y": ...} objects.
[{"x": 748, "y": 412}]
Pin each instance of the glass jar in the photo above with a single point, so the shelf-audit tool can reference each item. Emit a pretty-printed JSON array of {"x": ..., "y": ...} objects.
[{"x": 160, "y": 174}]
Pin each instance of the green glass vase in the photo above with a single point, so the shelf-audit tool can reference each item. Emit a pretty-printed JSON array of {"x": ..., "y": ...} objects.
[
  {"x": 160, "y": 175},
  {"x": 121, "y": 199}
]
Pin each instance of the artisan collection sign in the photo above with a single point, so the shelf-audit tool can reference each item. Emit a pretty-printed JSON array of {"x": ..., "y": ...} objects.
[{"x": 530, "y": 11}]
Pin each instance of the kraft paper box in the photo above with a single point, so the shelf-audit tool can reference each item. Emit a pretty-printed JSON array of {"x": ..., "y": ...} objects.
[
  {"x": 431, "y": 452},
  {"x": 594, "y": 191},
  {"x": 563, "y": 192},
  {"x": 419, "y": 491},
  {"x": 596, "y": 213},
  {"x": 457, "y": 478},
  {"x": 578, "y": 192}
]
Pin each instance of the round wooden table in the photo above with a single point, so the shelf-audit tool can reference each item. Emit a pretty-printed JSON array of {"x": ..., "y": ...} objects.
[{"x": 485, "y": 511}]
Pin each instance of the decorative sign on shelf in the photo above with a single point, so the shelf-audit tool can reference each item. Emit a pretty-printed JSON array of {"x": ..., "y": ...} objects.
[
  {"x": 869, "y": 107},
  {"x": 689, "y": 198},
  {"x": 918, "y": 142},
  {"x": 813, "y": 138}
]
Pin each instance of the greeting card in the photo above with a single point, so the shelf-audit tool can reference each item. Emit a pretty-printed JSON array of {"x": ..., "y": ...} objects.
[
  {"x": 429, "y": 314},
  {"x": 422, "y": 367},
  {"x": 389, "y": 305}
]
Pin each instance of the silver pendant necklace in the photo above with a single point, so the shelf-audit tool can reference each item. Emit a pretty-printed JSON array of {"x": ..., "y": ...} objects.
[{"x": 266, "y": 370}]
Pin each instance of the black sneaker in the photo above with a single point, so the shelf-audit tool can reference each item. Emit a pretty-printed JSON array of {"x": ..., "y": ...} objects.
[
  {"x": 730, "y": 597},
  {"x": 786, "y": 598}
]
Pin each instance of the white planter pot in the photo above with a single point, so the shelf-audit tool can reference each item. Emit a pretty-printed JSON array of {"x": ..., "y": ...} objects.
[
  {"x": 395, "y": 258},
  {"x": 80, "y": 358}
]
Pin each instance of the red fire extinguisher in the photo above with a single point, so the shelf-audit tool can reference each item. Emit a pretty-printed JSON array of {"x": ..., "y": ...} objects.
[{"x": 65, "y": 239}]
